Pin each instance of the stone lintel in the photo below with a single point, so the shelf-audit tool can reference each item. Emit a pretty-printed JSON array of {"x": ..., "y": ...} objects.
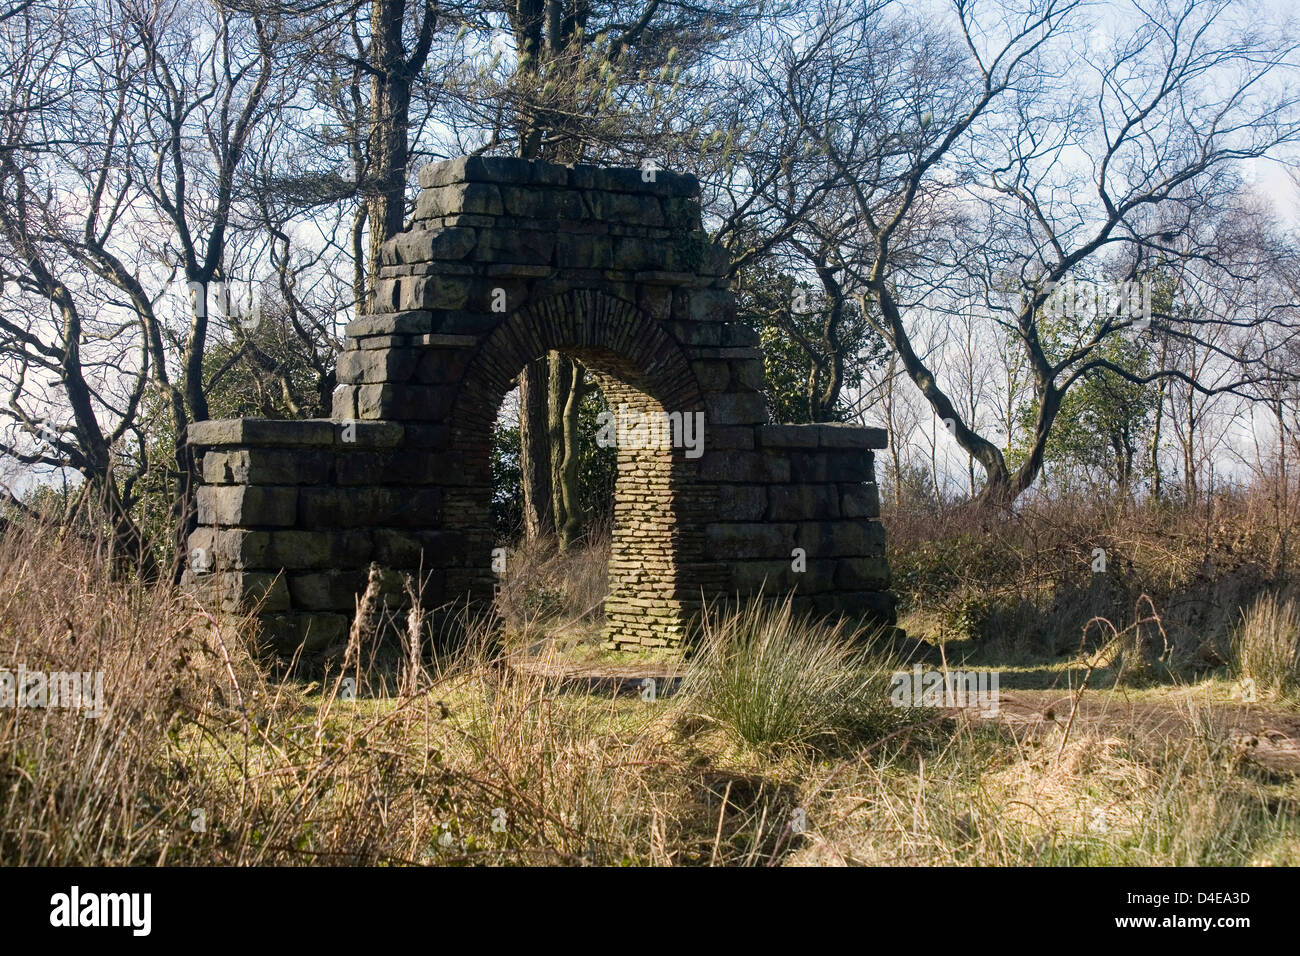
[
  {"x": 308, "y": 433},
  {"x": 515, "y": 171},
  {"x": 822, "y": 435}
]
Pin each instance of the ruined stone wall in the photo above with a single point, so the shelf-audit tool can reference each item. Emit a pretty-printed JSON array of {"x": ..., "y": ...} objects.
[{"x": 504, "y": 261}]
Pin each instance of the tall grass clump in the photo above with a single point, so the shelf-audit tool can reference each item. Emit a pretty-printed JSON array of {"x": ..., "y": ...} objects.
[
  {"x": 84, "y": 788},
  {"x": 1266, "y": 645},
  {"x": 775, "y": 679}
]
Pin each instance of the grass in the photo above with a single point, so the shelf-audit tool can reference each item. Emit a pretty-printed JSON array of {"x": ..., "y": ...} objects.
[
  {"x": 1266, "y": 645},
  {"x": 774, "y": 679},
  {"x": 204, "y": 757}
]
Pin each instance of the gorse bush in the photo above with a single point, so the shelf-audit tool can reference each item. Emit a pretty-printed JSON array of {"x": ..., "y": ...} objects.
[
  {"x": 775, "y": 679},
  {"x": 1266, "y": 645}
]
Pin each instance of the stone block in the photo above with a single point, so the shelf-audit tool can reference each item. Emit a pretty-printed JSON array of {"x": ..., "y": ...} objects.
[
  {"x": 267, "y": 466},
  {"x": 240, "y": 591},
  {"x": 443, "y": 292},
  {"x": 787, "y": 436},
  {"x": 315, "y": 634},
  {"x": 401, "y": 402},
  {"x": 306, "y": 549},
  {"x": 712, "y": 375},
  {"x": 515, "y": 245},
  {"x": 327, "y": 590},
  {"x": 226, "y": 549},
  {"x": 712, "y": 305},
  {"x": 443, "y": 243},
  {"x": 491, "y": 169},
  {"x": 736, "y": 408},
  {"x": 860, "y": 500},
  {"x": 743, "y": 467},
  {"x": 836, "y": 539},
  {"x": 862, "y": 574},
  {"x": 477, "y": 199},
  {"x": 837, "y": 435},
  {"x": 731, "y": 438},
  {"x": 247, "y": 506},
  {"x": 369, "y": 366},
  {"x": 401, "y": 323},
  {"x": 826, "y": 466},
  {"x": 369, "y": 507},
  {"x": 729, "y": 542},
  {"x": 802, "y": 502},
  {"x": 583, "y": 251},
  {"x": 533, "y": 203},
  {"x": 743, "y": 503},
  {"x": 216, "y": 433}
]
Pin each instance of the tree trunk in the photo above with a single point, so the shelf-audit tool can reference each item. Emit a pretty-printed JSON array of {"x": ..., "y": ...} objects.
[
  {"x": 390, "y": 101},
  {"x": 557, "y": 397},
  {"x": 534, "y": 451},
  {"x": 1157, "y": 490},
  {"x": 570, "y": 490}
]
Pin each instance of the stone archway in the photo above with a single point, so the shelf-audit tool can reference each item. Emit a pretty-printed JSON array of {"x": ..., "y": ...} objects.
[
  {"x": 505, "y": 260},
  {"x": 642, "y": 372}
]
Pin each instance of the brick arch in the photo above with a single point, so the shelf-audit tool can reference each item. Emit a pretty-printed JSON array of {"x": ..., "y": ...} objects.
[{"x": 656, "y": 547}]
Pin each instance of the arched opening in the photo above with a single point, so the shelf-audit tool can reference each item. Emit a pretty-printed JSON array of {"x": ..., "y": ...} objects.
[
  {"x": 658, "y": 508},
  {"x": 552, "y": 524}
]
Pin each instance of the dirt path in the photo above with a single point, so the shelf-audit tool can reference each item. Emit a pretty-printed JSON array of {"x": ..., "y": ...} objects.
[{"x": 1269, "y": 738}]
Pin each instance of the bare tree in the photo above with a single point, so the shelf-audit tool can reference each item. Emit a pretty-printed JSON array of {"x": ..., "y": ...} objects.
[{"x": 1071, "y": 162}]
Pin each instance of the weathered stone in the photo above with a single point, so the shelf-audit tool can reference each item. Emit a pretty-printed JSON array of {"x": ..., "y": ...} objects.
[
  {"x": 801, "y": 502},
  {"x": 239, "y": 591},
  {"x": 515, "y": 245},
  {"x": 743, "y": 503},
  {"x": 404, "y": 323},
  {"x": 371, "y": 508},
  {"x": 327, "y": 590},
  {"x": 834, "y": 539},
  {"x": 736, "y": 408},
  {"x": 491, "y": 169},
  {"x": 432, "y": 245},
  {"x": 860, "y": 501},
  {"x": 309, "y": 634},
  {"x": 223, "y": 432},
  {"x": 401, "y": 402},
  {"x": 213, "y": 550},
  {"x": 459, "y": 198},
  {"x": 364, "y": 366},
  {"x": 508, "y": 260},
  {"x": 267, "y": 466},
  {"x": 787, "y": 436},
  {"x": 435, "y": 292},
  {"x": 712, "y": 305},
  {"x": 734, "y": 541},
  {"x": 246, "y": 505},
  {"x": 543, "y": 204},
  {"x": 862, "y": 574},
  {"x": 835, "y": 435},
  {"x": 823, "y": 467},
  {"x": 747, "y": 467}
]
